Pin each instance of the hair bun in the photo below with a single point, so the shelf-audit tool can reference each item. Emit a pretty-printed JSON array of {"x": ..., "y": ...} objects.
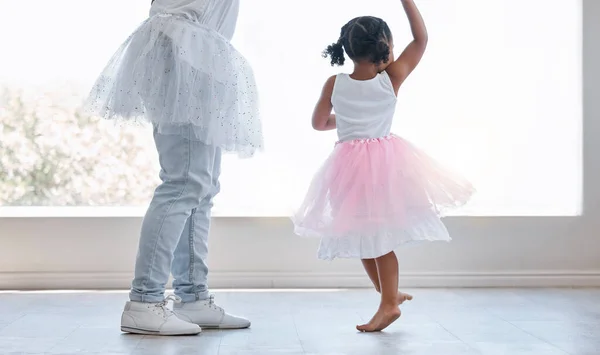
[{"x": 336, "y": 52}]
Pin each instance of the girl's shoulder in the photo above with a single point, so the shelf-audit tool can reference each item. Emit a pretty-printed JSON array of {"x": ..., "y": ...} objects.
[{"x": 386, "y": 80}]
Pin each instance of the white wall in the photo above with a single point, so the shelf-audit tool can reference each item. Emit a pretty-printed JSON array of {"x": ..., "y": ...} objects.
[{"x": 247, "y": 252}]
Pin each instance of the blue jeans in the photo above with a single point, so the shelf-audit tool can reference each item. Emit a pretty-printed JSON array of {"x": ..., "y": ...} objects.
[{"x": 174, "y": 237}]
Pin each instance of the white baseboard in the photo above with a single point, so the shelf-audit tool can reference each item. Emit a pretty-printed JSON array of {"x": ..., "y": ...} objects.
[{"x": 245, "y": 280}]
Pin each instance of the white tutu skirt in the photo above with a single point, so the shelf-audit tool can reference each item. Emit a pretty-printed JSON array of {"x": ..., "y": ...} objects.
[
  {"x": 174, "y": 72},
  {"x": 372, "y": 196}
]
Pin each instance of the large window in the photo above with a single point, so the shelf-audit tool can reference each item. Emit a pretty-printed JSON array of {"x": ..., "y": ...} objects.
[{"x": 497, "y": 97}]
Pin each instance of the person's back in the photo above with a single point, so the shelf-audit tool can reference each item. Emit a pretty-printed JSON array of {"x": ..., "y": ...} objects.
[{"x": 364, "y": 108}]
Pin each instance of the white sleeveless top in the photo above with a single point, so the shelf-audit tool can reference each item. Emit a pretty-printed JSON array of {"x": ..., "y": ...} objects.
[
  {"x": 363, "y": 108},
  {"x": 219, "y": 15}
]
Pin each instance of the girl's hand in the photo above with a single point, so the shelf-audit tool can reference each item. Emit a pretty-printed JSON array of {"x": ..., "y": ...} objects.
[{"x": 401, "y": 68}]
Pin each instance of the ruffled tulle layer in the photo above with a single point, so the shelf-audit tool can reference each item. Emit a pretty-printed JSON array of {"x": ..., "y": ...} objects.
[
  {"x": 371, "y": 196},
  {"x": 174, "y": 72}
]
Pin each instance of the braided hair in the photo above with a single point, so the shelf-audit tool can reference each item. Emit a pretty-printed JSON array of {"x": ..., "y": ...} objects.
[{"x": 363, "y": 38}]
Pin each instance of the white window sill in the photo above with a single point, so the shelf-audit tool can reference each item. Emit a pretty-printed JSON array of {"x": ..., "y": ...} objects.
[
  {"x": 115, "y": 212},
  {"x": 139, "y": 211},
  {"x": 74, "y": 211}
]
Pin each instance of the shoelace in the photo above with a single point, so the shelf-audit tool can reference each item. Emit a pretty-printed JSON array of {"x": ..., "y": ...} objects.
[
  {"x": 162, "y": 306},
  {"x": 213, "y": 305}
]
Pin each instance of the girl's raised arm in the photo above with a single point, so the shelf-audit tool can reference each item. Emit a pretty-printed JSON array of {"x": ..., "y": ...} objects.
[{"x": 401, "y": 68}]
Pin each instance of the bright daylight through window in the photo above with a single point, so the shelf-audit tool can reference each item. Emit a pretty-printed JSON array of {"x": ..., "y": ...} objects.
[{"x": 497, "y": 98}]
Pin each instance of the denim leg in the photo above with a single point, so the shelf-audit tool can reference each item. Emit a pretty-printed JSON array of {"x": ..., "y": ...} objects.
[
  {"x": 186, "y": 174},
  {"x": 189, "y": 268}
]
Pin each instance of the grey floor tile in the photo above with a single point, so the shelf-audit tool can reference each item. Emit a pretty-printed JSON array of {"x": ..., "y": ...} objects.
[
  {"x": 561, "y": 331},
  {"x": 437, "y": 321},
  {"x": 97, "y": 340},
  {"x": 19, "y": 345},
  {"x": 579, "y": 347},
  {"x": 493, "y": 331},
  {"x": 8, "y": 317},
  {"x": 433, "y": 348},
  {"x": 260, "y": 350},
  {"x": 206, "y": 343},
  {"x": 39, "y": 325},
  {"x": 386, "y": 347},
  {"x": 539, "y": 348}
]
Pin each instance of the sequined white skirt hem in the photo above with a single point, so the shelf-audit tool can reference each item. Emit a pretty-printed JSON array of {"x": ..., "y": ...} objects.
[{"x": 174, "y": 72}]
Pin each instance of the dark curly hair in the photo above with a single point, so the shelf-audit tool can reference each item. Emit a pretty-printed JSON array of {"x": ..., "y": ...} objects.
[{"x": 363, "y": 38}]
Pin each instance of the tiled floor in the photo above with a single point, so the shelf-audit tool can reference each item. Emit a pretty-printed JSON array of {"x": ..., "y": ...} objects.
[{"x": 437, "y": 322}]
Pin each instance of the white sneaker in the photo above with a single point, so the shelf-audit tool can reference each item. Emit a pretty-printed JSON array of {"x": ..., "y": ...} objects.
[
  {"x": 208, "y": 315},
  {"x": 155, "y": 319}
]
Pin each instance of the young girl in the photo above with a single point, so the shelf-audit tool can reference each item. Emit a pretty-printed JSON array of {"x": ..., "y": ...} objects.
[
  {"x": 376, "y": 191},
  {"x": 179, "y": 71}
]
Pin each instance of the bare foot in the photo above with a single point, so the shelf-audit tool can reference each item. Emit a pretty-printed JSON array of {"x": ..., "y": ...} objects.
[
  {"x": 402, "y": 297},
  {"x": 381, "y": 320}
]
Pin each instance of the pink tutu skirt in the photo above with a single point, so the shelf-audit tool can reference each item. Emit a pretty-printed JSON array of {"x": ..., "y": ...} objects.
[{"x": 373, "y": 195}]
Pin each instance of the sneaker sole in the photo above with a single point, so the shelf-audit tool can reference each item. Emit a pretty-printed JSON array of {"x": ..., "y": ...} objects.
[
  {"x": 150, "y": 332},
  {"x": 208, "y": 326}
]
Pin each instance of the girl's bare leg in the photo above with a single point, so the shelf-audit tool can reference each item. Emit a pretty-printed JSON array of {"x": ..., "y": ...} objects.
[
  {"x": 388, "y": 312},
  {"x": 371, "y": 268}
]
